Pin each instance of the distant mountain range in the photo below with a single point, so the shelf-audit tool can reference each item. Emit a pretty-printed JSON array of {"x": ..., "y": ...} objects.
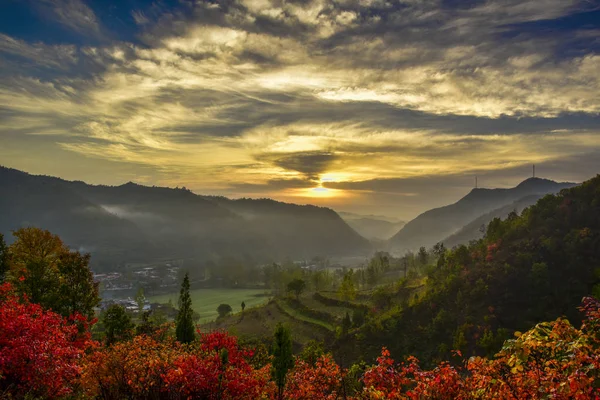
[
  {"x": 476, "y": 228},
  {"x": 460, "y": 222},
  {"x": 135, "y": 223},
  {"x": 373, "y": 227}
]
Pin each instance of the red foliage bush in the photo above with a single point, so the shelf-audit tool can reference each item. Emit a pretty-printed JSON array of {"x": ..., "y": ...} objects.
[{"x": 40, "y": 351}]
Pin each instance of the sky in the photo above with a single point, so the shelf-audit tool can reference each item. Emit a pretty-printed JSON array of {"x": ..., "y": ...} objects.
[{"x": 369, "y": 106}]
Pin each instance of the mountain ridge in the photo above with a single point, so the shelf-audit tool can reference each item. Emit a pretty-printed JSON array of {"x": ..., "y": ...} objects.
[
  {"x": 434, "y": 225},
  {"x": 171, "y": 222}
]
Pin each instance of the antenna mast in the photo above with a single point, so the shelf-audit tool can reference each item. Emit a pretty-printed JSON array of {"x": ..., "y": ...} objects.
[
  {"x": 475, "y": 181},
  {"x": 534, "y": 170}
]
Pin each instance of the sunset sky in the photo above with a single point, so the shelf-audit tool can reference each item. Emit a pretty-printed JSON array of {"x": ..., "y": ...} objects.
[{"x": 371, "y": 106}]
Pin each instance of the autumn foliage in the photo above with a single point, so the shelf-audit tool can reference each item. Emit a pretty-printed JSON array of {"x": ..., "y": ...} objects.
[
  {"x": 40, "y": 351},
  {"x": 323, "y": 380},
  {"x": 553, "y": 360},
  {"x": 43, "y": 355}
]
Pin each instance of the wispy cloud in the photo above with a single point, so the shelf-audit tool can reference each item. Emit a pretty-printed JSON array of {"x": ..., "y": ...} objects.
[
  {"x": 73, "y": 14},
  {"x": 276, "y": 98}
]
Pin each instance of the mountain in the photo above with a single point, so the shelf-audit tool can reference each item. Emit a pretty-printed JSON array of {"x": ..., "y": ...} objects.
[
  {"x": 437, "y": 224},
  {"x": 476, "y": 228},
  {"x": 374, "y": 227},
  {"x": 303, "y": 230},
  {"x": 47, "y": 202},
  {"x": 135, "y": 223},
  {"x": 527, "y": 269}
]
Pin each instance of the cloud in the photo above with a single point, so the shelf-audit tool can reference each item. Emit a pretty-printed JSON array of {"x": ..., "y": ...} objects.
[
  {"x": 139, "y": 17},
  {"x": 73, "y": 14},
  {"x": 274, "y": 97},
  {"x": 57, "y": 57},
  {"x": 309, "y": 164}
]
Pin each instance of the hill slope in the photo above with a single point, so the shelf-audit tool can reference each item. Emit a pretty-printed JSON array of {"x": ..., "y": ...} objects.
[
  {"x": 529, "y": 268},
  {"x": 299, "y": 230},
  {"x": 372, "y": 227},
  {"x": 28, "y": 200},
  {"x": 476, "y": 228},
  {"x": 134, "y": 223},
  {"x": 435, "y": 225}
]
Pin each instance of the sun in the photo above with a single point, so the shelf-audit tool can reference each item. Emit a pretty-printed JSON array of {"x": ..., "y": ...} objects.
[{"x": 320, "y": 192}]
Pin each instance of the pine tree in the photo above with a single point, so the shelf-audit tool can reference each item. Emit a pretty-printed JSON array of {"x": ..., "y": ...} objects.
[
  {"x": 140, "y": 299},
  {"x": 184, "y": 325},
  {"x": 346, "y": 324},
  {"x": 283, "y": 360}
]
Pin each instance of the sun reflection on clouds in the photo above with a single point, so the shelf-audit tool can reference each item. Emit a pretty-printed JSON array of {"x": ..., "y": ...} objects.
[
  {"x": 318, "y": 192},
  {"x": 237, "y": 101}
]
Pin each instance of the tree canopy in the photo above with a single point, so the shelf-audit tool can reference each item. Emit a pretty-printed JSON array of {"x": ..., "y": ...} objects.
[
  {"x": 42, "y": 267},
  {"x": 224, "y": 310},
  {"x": 296, "y": 286},
  {"x": 117, "y": 324}
]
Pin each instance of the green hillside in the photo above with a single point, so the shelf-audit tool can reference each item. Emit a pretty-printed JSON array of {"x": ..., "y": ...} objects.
[{"x": 527, "y": 269}]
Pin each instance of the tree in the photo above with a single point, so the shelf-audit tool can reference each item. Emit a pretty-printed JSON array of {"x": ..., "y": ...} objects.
[
  {"x": 224, "y": 310},
  {"x": 319, "y": 380},
  {"x": 347, "y": 290},
  {"x": 3, "y": 258},
  {"x": 312, "y": 352},
  {"x": 283, "y": 360},
  {"x": 346, "y": 324},
  {"x": 184, "y": 323},
  {"x": 117, "y": 324},
  {"x": 382, "y": 298},
  {"x": 42, "y": 267},
  {"x": 153, "y": 323},
  {"x": 422, "y": 255},
  {"x": 77, "y": 291},
  {"x": 439, "y": 250},
  {"x": 146, "y": 368},
  {"x": 34, "y": 258},
  {"x": 297, "y": 286},
  {"x": 358, "y": 317},
  {"x": 41, "y": 352},
  {"x": 140, "y": 299}
]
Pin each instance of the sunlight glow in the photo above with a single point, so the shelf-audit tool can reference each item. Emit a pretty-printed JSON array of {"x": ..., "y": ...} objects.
[{"x": 319, "y": 192}]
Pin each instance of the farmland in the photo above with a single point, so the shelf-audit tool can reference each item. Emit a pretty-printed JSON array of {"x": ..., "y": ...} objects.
[{"x": 206, "y": 301}]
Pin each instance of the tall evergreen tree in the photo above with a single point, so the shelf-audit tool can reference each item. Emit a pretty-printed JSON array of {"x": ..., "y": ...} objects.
[
  {"x": 346, "y": 324},
  {"x": 184, "y": 324},
  {"x": 283, "y": 360}
]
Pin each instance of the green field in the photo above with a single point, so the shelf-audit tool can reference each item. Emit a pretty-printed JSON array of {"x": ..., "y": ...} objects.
[{"x": 206, "y": 301}]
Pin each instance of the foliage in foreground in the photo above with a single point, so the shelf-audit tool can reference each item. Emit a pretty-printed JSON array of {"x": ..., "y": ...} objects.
[{"x": 43, "y": 355}]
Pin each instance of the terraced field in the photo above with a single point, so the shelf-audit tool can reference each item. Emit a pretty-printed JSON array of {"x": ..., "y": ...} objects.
[
  {"x": 337, "y": 312},
  {"x": 302, "y": 317},
  {"x": 260, "y": 322}
]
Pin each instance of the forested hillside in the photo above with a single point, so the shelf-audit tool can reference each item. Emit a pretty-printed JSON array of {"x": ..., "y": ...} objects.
[
  {"x": 135, "y": 223},
  {"x": 476, "y": 228},
  {"x": 527, "y": 269},
  {"x": 437, "y": 224}
]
